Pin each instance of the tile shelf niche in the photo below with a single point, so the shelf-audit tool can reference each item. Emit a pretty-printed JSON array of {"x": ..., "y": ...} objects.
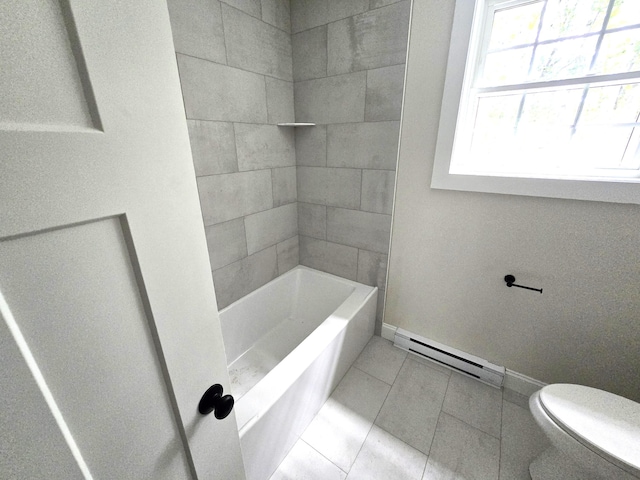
[{"x": 296, "y": 124}]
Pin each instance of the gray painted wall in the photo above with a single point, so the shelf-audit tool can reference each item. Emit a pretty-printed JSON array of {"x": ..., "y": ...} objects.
[
  {"x": 348, "y": 72},
  {"x": 450, "y": 251},
  {"x": 235, "y": 64}
]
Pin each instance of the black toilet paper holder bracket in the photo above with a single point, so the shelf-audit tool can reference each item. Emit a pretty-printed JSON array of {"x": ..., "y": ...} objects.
[{"x": 510, "y": 279}]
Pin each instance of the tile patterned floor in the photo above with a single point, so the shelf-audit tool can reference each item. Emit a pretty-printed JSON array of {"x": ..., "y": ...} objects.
[{"x": 396, "y": 416}]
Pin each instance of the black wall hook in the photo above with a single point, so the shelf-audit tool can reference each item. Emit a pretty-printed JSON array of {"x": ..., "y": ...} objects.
[{"x": 510, "y": 279}]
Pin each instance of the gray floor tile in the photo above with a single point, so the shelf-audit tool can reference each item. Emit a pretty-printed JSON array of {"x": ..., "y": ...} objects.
[
  {"x": 475, "y": 403},
  {"x": 415, "y": 412},
  {"x": 381, "y": 359},
  {"x": 342, "y": 424},
  {"x": 462, "y": 452},
  {"x": 304, "y": 463},
  {"x": 516, "y": 397},
  {"x": 385, "y": 457},
  {"x": 522, "y": 440},
  {"x": 413, "y": 405}
]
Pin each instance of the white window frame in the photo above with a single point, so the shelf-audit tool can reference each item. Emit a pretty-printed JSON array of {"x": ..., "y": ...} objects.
[{"x": 459, "y": 74}]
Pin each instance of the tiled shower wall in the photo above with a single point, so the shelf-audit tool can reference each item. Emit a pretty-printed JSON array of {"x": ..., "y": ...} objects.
[
  {"x": 348, "y": 69},
  {"x": 235, "y": 64}
]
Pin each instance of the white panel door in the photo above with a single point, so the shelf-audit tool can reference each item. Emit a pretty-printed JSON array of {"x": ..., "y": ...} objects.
[{"x": 110, "y": 332}]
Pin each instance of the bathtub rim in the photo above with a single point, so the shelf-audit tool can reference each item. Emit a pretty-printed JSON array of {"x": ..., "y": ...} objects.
[{"x": 291, "y": 272}]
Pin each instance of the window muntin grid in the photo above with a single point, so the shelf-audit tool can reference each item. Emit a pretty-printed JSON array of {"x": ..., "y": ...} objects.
[{"x": 540, "y": 100}]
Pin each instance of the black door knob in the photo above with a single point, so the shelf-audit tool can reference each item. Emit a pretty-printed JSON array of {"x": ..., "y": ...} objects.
[{"x": 214, "y": 401}]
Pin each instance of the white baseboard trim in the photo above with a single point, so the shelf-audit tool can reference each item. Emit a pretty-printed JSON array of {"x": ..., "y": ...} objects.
[
  {"x": 388, "y": 332},
  {"x": 521, "y": 383},
  {"x": 515, "y": 381}
]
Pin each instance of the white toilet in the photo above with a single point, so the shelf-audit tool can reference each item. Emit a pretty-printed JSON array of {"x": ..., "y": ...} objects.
[{"x": 594, "y": 434}]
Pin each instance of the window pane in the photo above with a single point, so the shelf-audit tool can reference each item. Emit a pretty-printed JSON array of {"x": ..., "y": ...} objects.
[
  {"x": 563, "y": 59},
  {"x": 625, "y": 12},
  {"x": 498, "y": 111},
  {"x": 615, "y": 104},
  {"x": 515, "y": 26},
  {"x": 600, "y": 147},
  {"x": 550, "y": 108},
  {"x": 531, "y": 150},
  {"x": 509, "y": 66},
  {"x": 620, "y": 52},
  {"x": 494, "y": 126},
  {"x": 564, "y": 18}
]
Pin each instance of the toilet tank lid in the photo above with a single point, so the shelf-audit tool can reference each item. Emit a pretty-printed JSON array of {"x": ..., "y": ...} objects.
[{"x": 599, "y": 419}]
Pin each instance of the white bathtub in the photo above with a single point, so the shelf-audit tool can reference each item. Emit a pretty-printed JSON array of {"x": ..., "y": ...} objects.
[{"x": 288, "y": 344}]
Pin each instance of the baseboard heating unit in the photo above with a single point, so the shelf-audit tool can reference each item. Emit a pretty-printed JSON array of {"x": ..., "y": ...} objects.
[{"x": 463, "y": 362}]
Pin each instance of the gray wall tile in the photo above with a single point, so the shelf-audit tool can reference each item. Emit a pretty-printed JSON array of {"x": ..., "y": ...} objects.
[
  {"x": 312, "y": 220},
  {"x": 307, "y": 14},
  {"x": 363, "y": 145},
  {"x": 288, "y": 255},
  {"x": 256, "y": 46},
  {"x": 226, "y": 243},
  {"x": 225, "y": 197},
  {"x": 379, "y": 313},
  {"x": 213, "y": 147},
  {"x": 369, "y": 231},
  {"x": 384, "y": 93},
  {"x": 197, "y": 29},
  {"x": 339, "y": 9},
  {"x": 279, "y": 100},
  {"x": 377, "y": 191},
  {"x": 244, "y": 276},
  {"x": 381, "y": 3},
  {"x": 310, "y": 54},
  {"x": 331, "y": 100},
  {"x": 311, "y": 146},
  {"x": 264, "y": 146},
  {"x": 270, "y": 227},
  {"x": 374, "y": 39},
  {"x": 218, "y": 92},
  {"x": 329, "y": 257},
  {"x": 284, "y": 186},
  {"x": 329, "y": 186},
  {"x": 252, "y": 7},
  {"x": 277, "y": 13},
  {"x": 372, "y": 268},
  {"x": 312, "y": 183},
  {"x": 343, "y": 187}
]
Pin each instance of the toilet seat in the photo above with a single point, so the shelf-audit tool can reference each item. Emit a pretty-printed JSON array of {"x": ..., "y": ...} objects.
[{"x": 605, "y": 423}]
